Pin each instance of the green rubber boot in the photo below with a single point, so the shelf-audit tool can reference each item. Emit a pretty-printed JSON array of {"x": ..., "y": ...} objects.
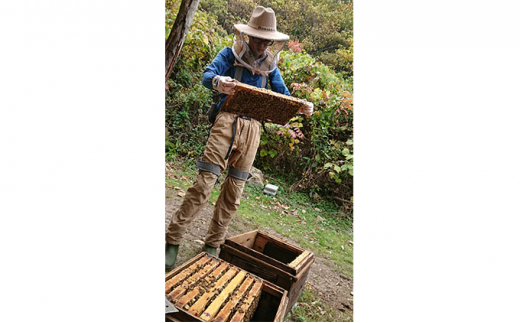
[
  {"x": 211, "y": 250},
  {"x": 170, "y": 256}
]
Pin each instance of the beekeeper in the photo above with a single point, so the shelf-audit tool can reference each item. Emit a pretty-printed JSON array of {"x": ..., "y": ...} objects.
[{"x": 234, "y": 139}]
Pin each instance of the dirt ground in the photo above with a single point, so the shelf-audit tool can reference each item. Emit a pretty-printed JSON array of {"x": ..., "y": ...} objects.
[{"x": 332, "y": 287}]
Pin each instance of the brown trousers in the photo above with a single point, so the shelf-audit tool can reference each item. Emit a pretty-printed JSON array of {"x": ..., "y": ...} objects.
[{"x": 247, "y": 138}]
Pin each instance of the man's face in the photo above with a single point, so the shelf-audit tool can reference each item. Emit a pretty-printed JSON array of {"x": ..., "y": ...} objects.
[{"x": 258, "y": 46}]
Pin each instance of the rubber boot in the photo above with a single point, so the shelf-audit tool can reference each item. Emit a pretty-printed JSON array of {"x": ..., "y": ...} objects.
[
  {"x": 170, "y": 256},
  {"x": 211, "y": 250}
]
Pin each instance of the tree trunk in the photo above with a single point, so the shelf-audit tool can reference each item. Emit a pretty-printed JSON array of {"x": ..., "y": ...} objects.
[{"x": 178, "y": 33}]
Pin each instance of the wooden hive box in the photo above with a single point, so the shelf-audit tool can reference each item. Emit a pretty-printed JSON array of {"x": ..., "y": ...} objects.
[
  {"x": 209, "y": 289},
  {"x": 262, "y": 104},
  {"x": 278, "y": 262}
]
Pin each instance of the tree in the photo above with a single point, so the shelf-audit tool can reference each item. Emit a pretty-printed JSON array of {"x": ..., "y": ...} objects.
[{"x": 178, "y": 34}]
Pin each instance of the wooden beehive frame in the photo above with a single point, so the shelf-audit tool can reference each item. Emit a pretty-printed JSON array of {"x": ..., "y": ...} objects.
[
  {"x": 213, "y": 290},
  {"x": 262, "y": 104}
]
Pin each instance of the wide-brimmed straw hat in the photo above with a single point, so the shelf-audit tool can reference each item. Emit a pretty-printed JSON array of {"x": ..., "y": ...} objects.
[{"x": 262, "y": 25}]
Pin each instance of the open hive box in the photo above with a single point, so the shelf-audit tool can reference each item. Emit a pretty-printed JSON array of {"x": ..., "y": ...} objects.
[
  {"x": 208, "y": 289},
  {"x": 262, "y": 104},
  {"x": 270, "y": 258}
]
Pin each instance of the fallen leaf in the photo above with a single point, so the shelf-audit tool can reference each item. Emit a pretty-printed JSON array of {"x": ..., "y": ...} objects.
[
  {"x": 319, "y": 218},
  {"x": 285, "y": 207},
  {"x": 319, "y": 210},
  {"x": 295, "y": 212},
  {"x": 181, "y": 193},
  {"x": 303, "y": 211},
  {"x": 177, "y": 188}
]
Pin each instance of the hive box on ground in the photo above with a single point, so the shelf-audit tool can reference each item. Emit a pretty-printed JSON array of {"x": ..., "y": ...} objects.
[
  {"x": 270, "y": 258},
  {"x": 269, "y": 307}
]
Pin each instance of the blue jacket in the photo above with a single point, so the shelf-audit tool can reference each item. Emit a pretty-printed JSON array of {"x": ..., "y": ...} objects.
[{"x": 222, "y": 65}]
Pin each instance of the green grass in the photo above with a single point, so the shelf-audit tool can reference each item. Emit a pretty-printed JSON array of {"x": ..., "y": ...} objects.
[{"x": 311, "y": 309}]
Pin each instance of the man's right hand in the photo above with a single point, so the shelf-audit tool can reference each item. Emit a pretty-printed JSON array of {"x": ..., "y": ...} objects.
[{"x": 226, "y": 85}]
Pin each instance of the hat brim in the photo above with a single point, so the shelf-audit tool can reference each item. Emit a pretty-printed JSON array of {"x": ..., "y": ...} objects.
[{"x": 264, "y": 34}]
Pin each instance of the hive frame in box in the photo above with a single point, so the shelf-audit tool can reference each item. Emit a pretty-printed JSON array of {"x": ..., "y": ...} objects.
[
  {"x": 270, "y": 295},
  {"x": 262, "y": 104},
  {"x": 247, "y": 252}
]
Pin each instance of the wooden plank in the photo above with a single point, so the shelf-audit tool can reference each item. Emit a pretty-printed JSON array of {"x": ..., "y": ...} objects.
[
  {"x": 199, "y": 306},
  {"x": 262, "y": 257},
  {"x": 304, "y": 263},
  {"x": 279, "y": 253},
  {"x": 246, "y": 239},
  {"x": 185, "y": 274},
  {"x": 243, "y": 312},
  {"x": 297, "y": 288},
  {"x": 280, "y": 243},
  {"x": 184, "y": 301},
  {"x": 185, "y": 265},
  {"x": 282, "y": 309},
  {"x": 215, "y": 306},
  {"x": 260, "y": 242},
  {"x": 299, "y": 259},
  {"x": 226, "y": 311},
  {"x": 177, "y": 293},
  {"x": 215, "y": 274}
]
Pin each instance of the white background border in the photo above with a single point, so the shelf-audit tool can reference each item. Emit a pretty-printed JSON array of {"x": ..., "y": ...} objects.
[{"x": 436, "y": 166}]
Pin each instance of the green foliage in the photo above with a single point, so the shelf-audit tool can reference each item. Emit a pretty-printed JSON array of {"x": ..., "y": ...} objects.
[
  {"x": 229, "y": 12},
  {"x": 321, "y": 159},
  {"x": 324, "y": 27}
]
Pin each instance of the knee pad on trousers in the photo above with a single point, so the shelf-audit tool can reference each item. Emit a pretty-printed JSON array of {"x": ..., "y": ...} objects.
[
  {"x": 208, "y": 167},
  {"x": 239, "y": 174}
]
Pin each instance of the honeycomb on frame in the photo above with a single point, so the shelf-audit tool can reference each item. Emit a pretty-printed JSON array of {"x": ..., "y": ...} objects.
[
  {"x": 213, "y": 290},
  {"x": 262, "y": 104}
]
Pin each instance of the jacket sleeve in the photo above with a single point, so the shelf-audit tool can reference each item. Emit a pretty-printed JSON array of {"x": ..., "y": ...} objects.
[
  {"x": 277, "y": 83},
  {"x": 221, "y": 65}
]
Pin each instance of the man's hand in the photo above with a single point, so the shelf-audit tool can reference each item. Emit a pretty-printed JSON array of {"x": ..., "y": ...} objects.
[
  {"x": 224, "y": 84},
  {"x": 307, "y": 108}
]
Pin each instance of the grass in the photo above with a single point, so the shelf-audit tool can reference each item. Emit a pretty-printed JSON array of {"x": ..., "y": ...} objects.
[
  {"x": 311, "y": 309},
  {"x": 318, "y": 227}
]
